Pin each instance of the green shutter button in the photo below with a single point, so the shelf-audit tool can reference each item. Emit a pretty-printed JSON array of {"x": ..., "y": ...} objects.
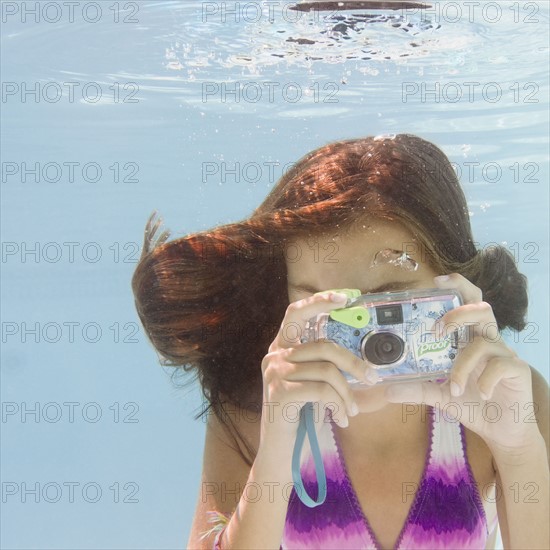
[
  {"x": 349, "y": 292},
  {"x": 356, "y": 317}
]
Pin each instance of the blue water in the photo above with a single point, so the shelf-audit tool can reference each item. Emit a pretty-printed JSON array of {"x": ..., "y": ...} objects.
[{"x": 137, "y": 98}]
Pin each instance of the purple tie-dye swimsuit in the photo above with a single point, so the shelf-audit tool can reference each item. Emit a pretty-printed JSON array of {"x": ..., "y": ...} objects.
[{"x": 447, "y": 511}]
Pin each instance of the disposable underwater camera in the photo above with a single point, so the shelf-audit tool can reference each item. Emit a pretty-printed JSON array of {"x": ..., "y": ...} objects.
[{"x": 393, "y": 332}]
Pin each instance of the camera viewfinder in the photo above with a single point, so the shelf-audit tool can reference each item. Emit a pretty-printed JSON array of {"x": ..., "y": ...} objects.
[{"x": 389, "y": 315}]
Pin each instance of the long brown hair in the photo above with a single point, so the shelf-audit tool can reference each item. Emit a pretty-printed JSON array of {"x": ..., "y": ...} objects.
[{"x": 212, "y": 302}]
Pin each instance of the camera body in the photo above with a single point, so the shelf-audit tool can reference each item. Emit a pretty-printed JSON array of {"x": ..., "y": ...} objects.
[{"x": 393, "y": 332}]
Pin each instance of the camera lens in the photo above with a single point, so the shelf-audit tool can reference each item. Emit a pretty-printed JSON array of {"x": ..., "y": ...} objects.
[{"x": 383, "y": 348}]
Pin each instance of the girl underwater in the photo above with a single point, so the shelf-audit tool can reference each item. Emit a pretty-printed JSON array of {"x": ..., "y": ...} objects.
[{"x": 229, "y": 304}]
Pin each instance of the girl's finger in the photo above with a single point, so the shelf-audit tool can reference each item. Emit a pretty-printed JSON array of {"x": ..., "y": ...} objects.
[
  {"x": 430, "y": 393},
  {"x": 479, "y": 317},
  {"x": 300, "y": 392},
  {"x": 470, "y": 293},
  {"x": 297, "y": 313},
  {"x": 326, "y": 372},
  {"x": 497, "y": 369},
  {"x": 325, "y": 350},
  {"x": 474, "y": 355}
]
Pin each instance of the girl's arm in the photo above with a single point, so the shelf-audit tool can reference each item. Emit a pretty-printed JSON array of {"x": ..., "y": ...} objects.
[
  {"x": 293, "y": 373},
  {"x": 523, "y": 483},
  {"x": 255, "y": 499},
  {"x": 259, "y": 520}
]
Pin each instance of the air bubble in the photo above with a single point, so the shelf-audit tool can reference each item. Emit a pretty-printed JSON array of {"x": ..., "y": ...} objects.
[{"x": 397, "y": 258}]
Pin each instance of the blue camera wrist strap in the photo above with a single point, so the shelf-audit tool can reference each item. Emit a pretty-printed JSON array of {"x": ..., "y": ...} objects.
[{"x": 307, "y": 424}]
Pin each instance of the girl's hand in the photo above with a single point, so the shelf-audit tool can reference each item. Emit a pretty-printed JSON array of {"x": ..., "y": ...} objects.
[
  {"x": 295, "y": 373},
  {"x": 489, "y": 388}
]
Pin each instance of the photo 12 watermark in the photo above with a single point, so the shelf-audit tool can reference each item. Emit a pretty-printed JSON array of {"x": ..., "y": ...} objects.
[
  {"x": 469, "y": 92},
  {"x": 269, "y": 92},
  {"x": 69, "y": 12},
  {"x": 490, "y": 411},
  {"x": 70, "y": 412},
  {"x": 69, "y": 332},
  {"x": 69, "y": 492},
  {"x": 69, "y": 172},
  {"x": 269, "y": 172},
  {"x": 69, "y": 92},
  {"x": 491, "y": 492},
  {"x": 70, "y": 252}
]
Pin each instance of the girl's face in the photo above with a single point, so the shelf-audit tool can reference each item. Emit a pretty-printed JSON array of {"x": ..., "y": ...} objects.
[{"x": 367, "y": 259}]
